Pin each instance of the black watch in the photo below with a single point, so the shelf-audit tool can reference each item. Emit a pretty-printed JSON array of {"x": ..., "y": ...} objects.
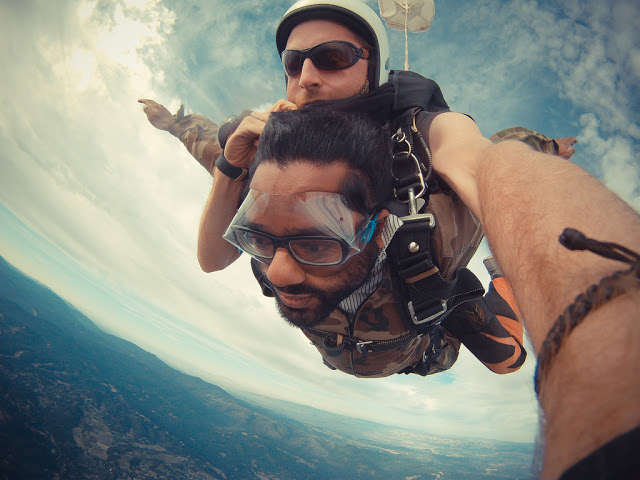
[{"x": 236, "y": 173}]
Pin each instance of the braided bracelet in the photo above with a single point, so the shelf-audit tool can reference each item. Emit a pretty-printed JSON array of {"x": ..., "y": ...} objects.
[{"x": 595, "y": 296}]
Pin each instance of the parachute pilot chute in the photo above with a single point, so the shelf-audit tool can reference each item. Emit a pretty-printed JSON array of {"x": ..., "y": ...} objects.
[{"x": 408, "y": 15}]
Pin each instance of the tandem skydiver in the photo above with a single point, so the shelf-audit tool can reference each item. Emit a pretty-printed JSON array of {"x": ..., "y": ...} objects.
[{"x": 523, "y": 199}]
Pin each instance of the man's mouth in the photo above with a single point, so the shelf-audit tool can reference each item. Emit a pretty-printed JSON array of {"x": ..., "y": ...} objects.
[{"x": 298, "y": 301}]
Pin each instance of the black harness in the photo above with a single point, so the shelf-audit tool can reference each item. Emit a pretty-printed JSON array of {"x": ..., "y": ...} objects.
[{"x": 426, "y": 296}]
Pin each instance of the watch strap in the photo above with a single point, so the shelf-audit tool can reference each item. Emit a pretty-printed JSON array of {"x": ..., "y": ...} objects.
[{"x": 231, "y": 171}]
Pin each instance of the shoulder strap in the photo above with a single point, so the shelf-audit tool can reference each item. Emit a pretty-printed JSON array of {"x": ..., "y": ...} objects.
[
  {"x": 413, "y": 93},
  {"x": 426, "y": 297},
  {"x": 414, "y": 90}
]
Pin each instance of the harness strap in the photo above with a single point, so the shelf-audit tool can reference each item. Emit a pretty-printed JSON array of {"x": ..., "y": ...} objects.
[
  {"x": 426, "y": 296},
  {"x": 408, "y": 171}
]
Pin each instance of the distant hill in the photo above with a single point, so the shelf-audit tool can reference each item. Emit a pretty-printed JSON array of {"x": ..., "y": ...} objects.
[
  {"x": 78, "y": 403},
  {"x": 494, "y": 453}
]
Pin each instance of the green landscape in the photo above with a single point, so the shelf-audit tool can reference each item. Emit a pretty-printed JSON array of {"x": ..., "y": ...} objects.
[{"x": 78, "y": 403}]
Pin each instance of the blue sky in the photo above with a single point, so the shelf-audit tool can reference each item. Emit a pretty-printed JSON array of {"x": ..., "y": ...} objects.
[{"x": 103, "y": 208}]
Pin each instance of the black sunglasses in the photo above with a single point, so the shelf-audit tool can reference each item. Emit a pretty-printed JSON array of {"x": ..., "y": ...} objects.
[{"x": 334, "y": 55}]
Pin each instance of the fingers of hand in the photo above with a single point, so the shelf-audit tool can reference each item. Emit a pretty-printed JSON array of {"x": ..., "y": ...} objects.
[
  {"x": 147, "y": 102},
  {"x": 260, "y": 116},
  {"x": 282, "y": 105},
  {"x": 251, "y": 125},
  {"x": 241, "y": 146},
  {"x": 567, "y": 141}
]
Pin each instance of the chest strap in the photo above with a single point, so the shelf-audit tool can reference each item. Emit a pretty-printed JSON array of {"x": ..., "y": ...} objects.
[{"x": 425, "y": 295}]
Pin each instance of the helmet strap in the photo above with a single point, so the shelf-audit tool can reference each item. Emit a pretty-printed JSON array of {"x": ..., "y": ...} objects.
[{"x": 371, "y": 72}]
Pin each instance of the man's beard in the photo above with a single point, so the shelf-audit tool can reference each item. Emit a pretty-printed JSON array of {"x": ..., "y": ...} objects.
[{"x": 344, "y": 284}]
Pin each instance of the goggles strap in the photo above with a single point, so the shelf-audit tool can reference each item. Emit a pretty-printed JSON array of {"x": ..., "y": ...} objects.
[{"x": 370, "y": 229}]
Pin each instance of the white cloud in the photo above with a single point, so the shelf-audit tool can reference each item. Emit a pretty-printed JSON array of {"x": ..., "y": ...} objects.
[
  {"x": 543, "y": 65},
  {"x": 619, "y": 168}
]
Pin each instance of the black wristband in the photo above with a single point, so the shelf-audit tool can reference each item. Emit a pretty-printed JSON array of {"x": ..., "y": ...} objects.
[{"x": 236, "y": 173}]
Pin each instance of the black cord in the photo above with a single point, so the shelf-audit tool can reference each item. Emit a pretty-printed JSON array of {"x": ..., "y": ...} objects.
[{"x": 596, "y": 295}]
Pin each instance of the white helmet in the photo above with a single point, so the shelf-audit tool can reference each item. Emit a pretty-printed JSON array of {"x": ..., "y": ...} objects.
[{"x": 354, "y": 15}]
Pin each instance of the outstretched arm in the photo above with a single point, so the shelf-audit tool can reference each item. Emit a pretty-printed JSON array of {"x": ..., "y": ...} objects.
[
  {"x": 524, "y": 200},
  {"x": 196, "y": 132}
]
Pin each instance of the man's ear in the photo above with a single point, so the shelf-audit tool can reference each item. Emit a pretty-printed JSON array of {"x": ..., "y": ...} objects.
[{"x": 377, "y": 235}]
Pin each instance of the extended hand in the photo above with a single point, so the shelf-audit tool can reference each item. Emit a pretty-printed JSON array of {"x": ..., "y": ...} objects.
[
  {"x": 565, "y": 150},
  {"x": 157, "y": 114}
]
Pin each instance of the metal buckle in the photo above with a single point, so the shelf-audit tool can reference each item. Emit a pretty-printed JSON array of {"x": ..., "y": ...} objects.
[
  {"x": 414, "y": 216},
  {"x": 415, "y": 319},
  {"x": 401, "y": 141}
]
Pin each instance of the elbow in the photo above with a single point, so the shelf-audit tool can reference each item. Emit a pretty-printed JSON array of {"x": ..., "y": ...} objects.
[
  {"x": 510, "y": 365},
  {"x": 214, "y": 263},
  {"x": 208, "y": 254},
  {"x": 206, "y": 268},
  {"x": 208, "y": 265}
]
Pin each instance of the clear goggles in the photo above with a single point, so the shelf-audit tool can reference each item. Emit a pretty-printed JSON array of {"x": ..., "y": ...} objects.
[{"x": 327, "y": 232}]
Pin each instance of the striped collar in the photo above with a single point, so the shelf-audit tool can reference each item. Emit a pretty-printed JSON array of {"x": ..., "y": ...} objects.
[{"x": 353, "y": 301}]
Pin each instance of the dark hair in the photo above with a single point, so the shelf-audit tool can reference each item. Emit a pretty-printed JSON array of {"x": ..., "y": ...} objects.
[{"x": 324, "y": 137}]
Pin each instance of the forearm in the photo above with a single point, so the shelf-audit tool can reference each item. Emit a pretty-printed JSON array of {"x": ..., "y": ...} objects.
[
  {"x": 215, "y": 253},
  {"x": 526, "y": 199},
  {"x": 591, "y": 391},
  {"x": 199, "y": 136}
]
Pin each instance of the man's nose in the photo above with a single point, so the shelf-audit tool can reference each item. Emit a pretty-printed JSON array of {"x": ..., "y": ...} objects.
[
  {"x": 284, "y": 270},
  {"x": 309, "y": 75}
]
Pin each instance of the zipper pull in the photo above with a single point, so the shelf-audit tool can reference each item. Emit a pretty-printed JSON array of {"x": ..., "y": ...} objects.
[{"x": 363, "y": 347}]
